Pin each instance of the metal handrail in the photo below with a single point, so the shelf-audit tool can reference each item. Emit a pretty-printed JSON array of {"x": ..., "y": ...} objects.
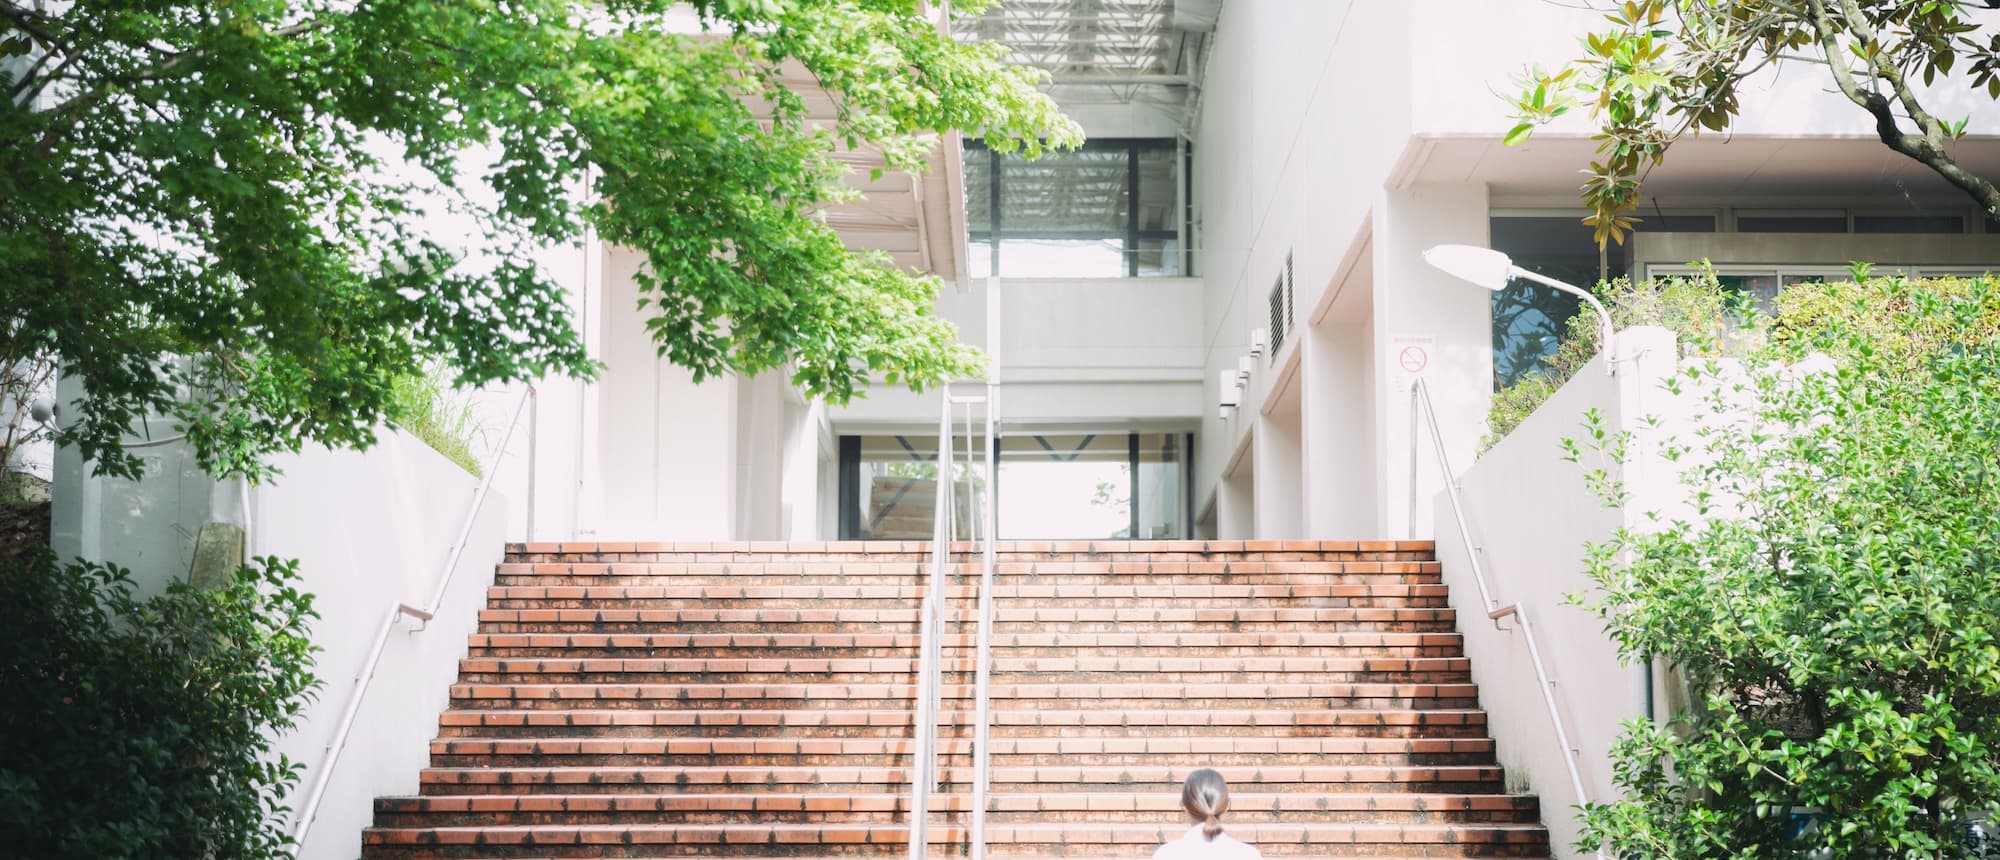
[
  {"x": 1420, "y": 403},
  {"x": 988, "y": 520},
  {"x": 309, "y": 810},
  {"x": 929, "y": 687},
  {"x": 933, "y": 616}
]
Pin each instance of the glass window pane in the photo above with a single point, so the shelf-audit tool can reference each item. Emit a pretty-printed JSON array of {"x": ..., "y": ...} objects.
[
  {"x": 1791, "y": 223},
  {"x": 1061, "y": 191},
  {"x": 1159, "y": 258},
  {"x": 1075, "y": 486},
  {"x": 1062, "y": 258},
  {"x": 1675, "y": 224},
  {"x": 1762, "y": 289},
  {"x": 1909, "y": 224},
  {"x": 1157, "y": 197},
  {"x": 978, "y": 189},
  {"x": 1530, "y": 320},
  {"x": 1162, "y": 491},
  {"x": 897, "y": 491}
]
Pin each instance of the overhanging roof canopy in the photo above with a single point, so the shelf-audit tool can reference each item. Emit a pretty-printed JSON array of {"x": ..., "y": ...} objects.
[{"x": 1097, "y": 51}]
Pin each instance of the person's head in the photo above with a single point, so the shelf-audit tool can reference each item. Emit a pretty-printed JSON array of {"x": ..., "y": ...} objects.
[{"x": 1206, "y": 797}]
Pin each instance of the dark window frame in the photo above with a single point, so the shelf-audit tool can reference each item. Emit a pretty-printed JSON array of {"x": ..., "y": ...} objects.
[
  {"x": 1181, "y": 445},
  {"x": 1132, "y": 236}
]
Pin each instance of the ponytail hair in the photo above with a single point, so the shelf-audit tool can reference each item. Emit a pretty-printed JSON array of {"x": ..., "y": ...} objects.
[{"x": 1206, "y": 797}]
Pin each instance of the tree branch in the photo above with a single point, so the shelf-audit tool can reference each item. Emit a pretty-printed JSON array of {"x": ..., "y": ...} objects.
[{"x": 1926, "y": 149}]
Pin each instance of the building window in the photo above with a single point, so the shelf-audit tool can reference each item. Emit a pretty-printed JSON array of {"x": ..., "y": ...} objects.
[
  {"x": 1909, "y": 224},
  {"x": 1110, "y": 209},
  {"x": 1077, "y": 486},
  {"x": 1529, "y": 319}
]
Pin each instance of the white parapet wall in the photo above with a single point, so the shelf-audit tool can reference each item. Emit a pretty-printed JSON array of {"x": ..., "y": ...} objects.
[
  {"x": 370, "y": 530},
  {"x": 1530, "y": 515}
]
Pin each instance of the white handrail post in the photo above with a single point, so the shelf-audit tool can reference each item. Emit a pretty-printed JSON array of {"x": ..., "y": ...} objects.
[
  {"x": 983, "y": 669},
  {"x": 534, "y": 414},
  {"x": 929, "y": 687}
]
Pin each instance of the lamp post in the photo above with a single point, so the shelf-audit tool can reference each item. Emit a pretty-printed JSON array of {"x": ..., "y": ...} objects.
[{"x": 1491, "y": 269}]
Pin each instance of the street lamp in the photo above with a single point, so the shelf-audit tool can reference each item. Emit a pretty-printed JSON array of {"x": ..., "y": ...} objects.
[{"x": 1492, "y": 270}]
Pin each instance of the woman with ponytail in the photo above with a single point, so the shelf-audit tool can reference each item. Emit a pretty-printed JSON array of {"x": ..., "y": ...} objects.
[{"x": 1206, "y": 797}]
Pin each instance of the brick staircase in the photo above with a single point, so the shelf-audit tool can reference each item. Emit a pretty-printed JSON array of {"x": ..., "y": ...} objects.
[{"x": 754, "y": 700}]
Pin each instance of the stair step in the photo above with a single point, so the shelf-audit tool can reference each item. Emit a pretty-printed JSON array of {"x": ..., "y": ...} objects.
[
  {"x": 1094, "y": 594},
  {"x": 1007, "y": 752},
  {"x": 1120, "y": 619},
  {"x": 1034, "y": 723},
  {"x": 1003, "y": 695},
  {"x": 1025, "y": 808},
  {"x": 959, "y": 668},
  {"x": 1061, "y": 837},
  {"x": 1200, "y": 643},
  {"x": 1142, "y": 778}
]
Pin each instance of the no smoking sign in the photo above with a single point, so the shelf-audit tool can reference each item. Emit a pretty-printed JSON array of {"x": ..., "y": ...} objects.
[{"x": 1412, "y": 356}]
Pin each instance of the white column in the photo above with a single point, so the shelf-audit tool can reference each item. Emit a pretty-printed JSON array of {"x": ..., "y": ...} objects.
[
  {"x": 1337, "y": 430},
  {"x": 1279, "y": 489},
  {"x": 1449, "y": 324}
]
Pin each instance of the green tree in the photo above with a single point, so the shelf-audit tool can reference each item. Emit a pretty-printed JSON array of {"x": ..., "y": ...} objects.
[
  {"x": 142, "y": 727},
  {"x": 1831, "y": 598},
  {"x": 216, "y": 211},
  {"x": 1670, "y": 68}
]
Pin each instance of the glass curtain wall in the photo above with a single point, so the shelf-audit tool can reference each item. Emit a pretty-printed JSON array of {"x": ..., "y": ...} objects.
[
  {"x": 889, "y": 487},
  {"x": 1077, "y": 486},
  {"x": 1106, "y": 210}
]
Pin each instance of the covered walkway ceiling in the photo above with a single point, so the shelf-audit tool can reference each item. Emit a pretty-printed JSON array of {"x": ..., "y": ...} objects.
[{"x": 1108, "y": 51}]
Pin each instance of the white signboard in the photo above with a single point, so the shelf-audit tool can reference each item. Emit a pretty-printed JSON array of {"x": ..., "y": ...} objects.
[{"x": 1411, "y": 356}]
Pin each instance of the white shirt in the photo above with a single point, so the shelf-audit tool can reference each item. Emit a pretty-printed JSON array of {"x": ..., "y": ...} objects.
[{"x": 1194, "y": 846}]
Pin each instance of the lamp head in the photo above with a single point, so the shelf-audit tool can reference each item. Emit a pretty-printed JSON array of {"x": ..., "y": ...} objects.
[{"x": 1483, "y": 266}]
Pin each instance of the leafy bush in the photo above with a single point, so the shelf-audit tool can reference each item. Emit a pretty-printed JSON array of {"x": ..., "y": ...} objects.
[
  {"x": 1707, "y": 318},
  {"x": 141, "y": 728},
  {"x": 1831, "y": 603},
  {"x": 426, "y": 405}
]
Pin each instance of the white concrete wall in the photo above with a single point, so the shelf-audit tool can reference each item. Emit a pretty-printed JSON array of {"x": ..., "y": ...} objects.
[
  {"x": 1294, "y": 156},
  {"x": 371, "y": 530},
  {"x": 1530, "y": 516},
  {"x": 1469, "y": 53},
  {"x": 1078, "y": 352},
  {"x": 1413, "y": 300},
  {"x": 1889, "y": 252}
]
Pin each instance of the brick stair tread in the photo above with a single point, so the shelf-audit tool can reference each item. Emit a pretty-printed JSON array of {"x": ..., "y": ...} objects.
[
  {"x": 1137, "y": 614},
  {"x": 1253, "y": 690},
  {"x": 890, "y": 834},
  {"x": 963, "y": 663},
  {"x": 904, "y": 746},
  {"x": 963, "y": 592},
  {"x": 1005, "y": 572},
  {"x": 805, "y": 548},
  {"x": 844, "y": 774},
  {"x": 1239, "y": 802},
  {"x": 1078, "y": 640},
  {"x": 774, "y": 717}
]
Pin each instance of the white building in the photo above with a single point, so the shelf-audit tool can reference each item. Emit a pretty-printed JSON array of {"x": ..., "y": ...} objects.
[{"x": 1262, "y": 178}]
